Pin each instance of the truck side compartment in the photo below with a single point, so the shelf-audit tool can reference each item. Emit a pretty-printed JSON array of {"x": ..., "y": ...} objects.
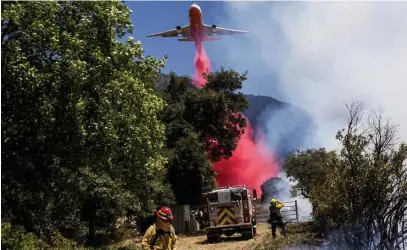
[{"x": 229, "y": 210}]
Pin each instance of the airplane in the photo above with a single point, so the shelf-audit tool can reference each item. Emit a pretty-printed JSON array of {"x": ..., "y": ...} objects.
[{"x": 196, "y": 30}]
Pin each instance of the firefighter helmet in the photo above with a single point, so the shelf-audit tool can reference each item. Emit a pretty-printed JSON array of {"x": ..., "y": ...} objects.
[{"x": 165, "y": 214}]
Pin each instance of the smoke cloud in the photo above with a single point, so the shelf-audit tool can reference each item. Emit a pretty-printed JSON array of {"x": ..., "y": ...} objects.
[
  {"x": 304, "y": 207},
  {"x": 323, "y": 54},
  {"x": 317, "y": 56},
  {"x": 252, "y": 162}
]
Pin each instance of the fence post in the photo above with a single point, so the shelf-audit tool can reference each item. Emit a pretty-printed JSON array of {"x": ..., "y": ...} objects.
[{"x": 296, "y": 210}]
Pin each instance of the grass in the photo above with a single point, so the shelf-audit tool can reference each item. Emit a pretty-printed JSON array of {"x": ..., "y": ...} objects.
[{"x": 299, "y": 235}]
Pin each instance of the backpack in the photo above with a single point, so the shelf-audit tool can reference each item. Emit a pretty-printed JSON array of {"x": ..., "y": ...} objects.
[
  {"x": 274, "y": 213},
  {"x": 158, "y": 233}
]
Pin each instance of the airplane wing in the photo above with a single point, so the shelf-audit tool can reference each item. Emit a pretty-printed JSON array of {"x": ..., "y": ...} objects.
[
  {"x": 223, "y": 31},
  {"x": 172, "y": 33}
]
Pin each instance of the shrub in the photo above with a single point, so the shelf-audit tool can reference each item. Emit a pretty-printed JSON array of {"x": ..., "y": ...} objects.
[{"x": 15, "y": 237}]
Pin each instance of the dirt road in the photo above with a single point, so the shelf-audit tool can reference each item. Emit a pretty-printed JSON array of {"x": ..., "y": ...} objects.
[
  {"x": 299, "y": 234},
  {"x": 198, "y": 241},
  {"x": 235, "y": 242}
]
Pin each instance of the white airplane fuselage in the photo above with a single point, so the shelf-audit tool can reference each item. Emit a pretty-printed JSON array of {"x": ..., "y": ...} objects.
[
  {"x": 197, "y": 30},
  {"x": 196, "y": 23}
]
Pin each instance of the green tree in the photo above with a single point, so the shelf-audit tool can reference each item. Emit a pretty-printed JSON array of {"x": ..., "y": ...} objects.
[
  {"x": 372, "y": 178},
  {"x": 362, "y": 190},
  {"x": 190, "y": 173},
  {"x": 215, "y": 112},
  {"x": 202, "y": 126},
  {"x": 274, "y": 187},
  {"x": 82, "y": 143},
  {"x": 308, "y": 168}
]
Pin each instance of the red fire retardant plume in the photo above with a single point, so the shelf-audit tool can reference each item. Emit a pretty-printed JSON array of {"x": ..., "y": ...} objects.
[
  {"x": 252, "y": 162},
  {"x": 202, "y": 65}
]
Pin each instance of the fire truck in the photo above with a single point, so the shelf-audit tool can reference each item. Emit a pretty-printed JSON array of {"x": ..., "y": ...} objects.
[{"x": 230, "y": 210}]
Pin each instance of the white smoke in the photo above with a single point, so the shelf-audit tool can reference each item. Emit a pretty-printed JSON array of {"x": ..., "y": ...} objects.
[
  {"x": 303, "y": 205},
  {"x": 324, "y": 54},
  {"x": 319, "y": 55},
  {"x": 279, "y": 188}
]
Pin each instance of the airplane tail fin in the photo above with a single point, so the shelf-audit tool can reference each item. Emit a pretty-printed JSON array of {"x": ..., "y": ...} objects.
[{"x": 204, "y": 40}]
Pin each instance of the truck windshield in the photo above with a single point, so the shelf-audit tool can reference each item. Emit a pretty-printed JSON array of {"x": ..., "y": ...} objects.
[
  {"x": 235, "y": 196},
  {"x": 213, "y": 197}
]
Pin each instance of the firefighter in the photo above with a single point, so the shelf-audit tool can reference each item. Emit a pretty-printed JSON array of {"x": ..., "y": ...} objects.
[
  {"x": 275, "y": 217},
  {"x": 200, "y": 218},
  {"x": 161, "y": 235}
]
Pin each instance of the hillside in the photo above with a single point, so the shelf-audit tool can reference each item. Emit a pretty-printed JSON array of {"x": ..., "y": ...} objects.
[{"x": 285, "y": 126}]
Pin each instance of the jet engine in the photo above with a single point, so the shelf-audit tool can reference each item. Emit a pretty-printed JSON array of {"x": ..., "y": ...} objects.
[
  {"x": 214, "y": 29},
  {"x": 179, "y": 30}
]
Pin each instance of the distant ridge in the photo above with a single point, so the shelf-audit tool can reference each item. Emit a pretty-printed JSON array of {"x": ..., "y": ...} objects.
[{"x": 285, "y": 126}]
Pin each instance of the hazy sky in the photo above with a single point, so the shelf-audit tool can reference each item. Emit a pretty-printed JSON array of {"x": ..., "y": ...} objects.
[
  {"x": 316, "y": 55},
  {"x": 326, "y": 53}
]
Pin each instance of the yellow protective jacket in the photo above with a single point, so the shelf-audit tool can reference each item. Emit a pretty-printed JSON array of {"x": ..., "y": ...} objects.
[
  {"x": 164, "y": 241},
  {"x": 279, "y": 204},
  {"x": 275, "y": 215}
]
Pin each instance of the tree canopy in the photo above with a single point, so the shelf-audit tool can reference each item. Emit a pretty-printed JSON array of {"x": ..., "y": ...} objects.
[
  {"x": 88, "y": 139},
  {"x": 360, "y": 191},
  {"x": 201, "y": 127},
  {"x": 93, "y": 134},
  {"x": 276, "y": 188},
  {"x": 82, "y": 141}
]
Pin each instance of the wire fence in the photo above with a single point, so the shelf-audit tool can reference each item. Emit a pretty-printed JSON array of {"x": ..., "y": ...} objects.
[{"x": 289, "y": 212}]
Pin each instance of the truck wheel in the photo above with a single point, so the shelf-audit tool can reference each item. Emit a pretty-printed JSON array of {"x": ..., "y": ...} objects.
[
  {"x": 248, "y": 234},
  {"x": 213, "y": 238},
  {"x": 229, "y": 233}
]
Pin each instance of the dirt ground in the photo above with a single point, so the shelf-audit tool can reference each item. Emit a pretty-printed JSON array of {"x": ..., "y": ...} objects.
[{"x": 235, "y": 242}]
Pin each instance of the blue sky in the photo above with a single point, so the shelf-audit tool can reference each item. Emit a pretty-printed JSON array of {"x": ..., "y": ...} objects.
[
  {"x": 153, "y": 17},
  {"x": 315, "y": 55}
]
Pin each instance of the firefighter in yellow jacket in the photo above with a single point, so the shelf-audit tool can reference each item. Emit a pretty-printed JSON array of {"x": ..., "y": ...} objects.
[
  {"x": 161, "y": 235},
  {"x": 276, "y": 219}
]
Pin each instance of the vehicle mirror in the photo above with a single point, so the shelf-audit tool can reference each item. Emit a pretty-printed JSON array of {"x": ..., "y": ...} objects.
[{"x": 254, "y": 194}]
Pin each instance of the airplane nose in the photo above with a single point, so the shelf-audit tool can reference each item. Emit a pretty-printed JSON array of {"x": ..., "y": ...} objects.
[
  {"x": 195, "y": 7},
  {"x": 194, "y": 10}
]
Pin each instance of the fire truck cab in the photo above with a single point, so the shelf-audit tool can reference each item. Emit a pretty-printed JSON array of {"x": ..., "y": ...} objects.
[{"x": 230, "y": 210}]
